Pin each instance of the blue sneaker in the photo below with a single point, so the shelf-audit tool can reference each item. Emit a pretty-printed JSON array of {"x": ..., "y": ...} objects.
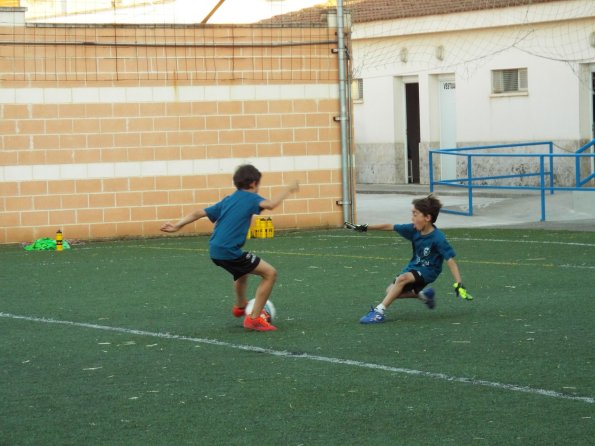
[
  {"x": 429, "y": 294},
  {"x": 373, "y": 317}
]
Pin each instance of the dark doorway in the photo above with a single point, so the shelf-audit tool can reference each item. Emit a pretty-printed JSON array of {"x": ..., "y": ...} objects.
[{"x": 413, "y": 136}]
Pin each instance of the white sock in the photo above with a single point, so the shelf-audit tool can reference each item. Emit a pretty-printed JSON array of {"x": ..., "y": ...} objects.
[{"x": 380, "y": 308}]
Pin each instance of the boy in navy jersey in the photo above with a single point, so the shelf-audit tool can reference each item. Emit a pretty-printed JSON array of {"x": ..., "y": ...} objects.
[
  {"x": 430, "y": 250},
  {"x": 232, "y": 217}
]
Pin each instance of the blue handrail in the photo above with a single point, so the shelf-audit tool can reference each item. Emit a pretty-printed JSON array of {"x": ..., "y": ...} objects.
[
  {"x": 580, "y": 182},
  {"x": 545, "y": 173}
]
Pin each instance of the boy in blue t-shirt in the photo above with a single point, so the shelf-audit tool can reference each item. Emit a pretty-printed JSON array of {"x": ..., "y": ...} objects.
[
  {"x": 430, "y": 250},
  {"x": 232, "y": 217}
]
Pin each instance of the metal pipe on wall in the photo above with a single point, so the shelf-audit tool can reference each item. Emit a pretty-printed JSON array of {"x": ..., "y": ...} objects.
[{"x": 346, "y": 201}]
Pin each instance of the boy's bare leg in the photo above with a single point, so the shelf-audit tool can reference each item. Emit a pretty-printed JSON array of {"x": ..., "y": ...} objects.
[
  {"x": 240, "y": 286},
  {"x": 268, "y": 276},
  {"x": 395, "y": 290}
]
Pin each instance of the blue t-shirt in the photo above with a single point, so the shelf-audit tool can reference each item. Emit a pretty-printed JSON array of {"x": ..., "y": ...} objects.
[
  {"x": 232, "y": 217},
  {"x": 429, "y": 251}
]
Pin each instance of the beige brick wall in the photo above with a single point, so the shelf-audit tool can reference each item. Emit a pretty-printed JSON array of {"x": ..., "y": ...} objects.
[{"x": 110, "y": 139}]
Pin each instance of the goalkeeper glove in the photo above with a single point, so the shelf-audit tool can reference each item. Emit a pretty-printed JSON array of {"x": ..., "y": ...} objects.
[
  {"x": 357, "y": 228},
  {"x": 462, "y": 291}
]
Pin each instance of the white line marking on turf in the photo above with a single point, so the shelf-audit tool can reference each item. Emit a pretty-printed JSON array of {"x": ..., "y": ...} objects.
[
  {"x": 327, "y": 254},
  {"x": 577, "y": 266},
  {"x": 467, "y": 239},
  {"x": 535, "y": 242},
  {"x": 287, "y": 354}
]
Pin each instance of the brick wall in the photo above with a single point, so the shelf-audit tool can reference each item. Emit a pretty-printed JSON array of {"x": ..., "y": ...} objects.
[{"x": 109, "y": 131}]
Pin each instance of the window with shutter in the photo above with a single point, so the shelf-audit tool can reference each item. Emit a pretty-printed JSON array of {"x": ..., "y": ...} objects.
[
  {"x": 357, "y": 90},
  {"x": 509, "y": 81}
]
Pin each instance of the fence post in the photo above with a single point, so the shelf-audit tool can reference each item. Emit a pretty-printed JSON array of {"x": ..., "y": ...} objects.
[
  {"x": 577, "y": 164},
  {"x": 551, "y": 145},
  {"x": 470, "y": 184},
  {"x": 542, "y": 182},
  {"x": 431, "y": 172}
]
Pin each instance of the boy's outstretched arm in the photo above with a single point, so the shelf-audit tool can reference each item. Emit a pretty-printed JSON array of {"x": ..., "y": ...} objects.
[
  {"x": 278, "y": 199},
  {"x": 174, "y": 227},
  {"x": 381, "y": 227},
  {"x": 458, "y": 285},
  {"x": 454, "y": 269}
]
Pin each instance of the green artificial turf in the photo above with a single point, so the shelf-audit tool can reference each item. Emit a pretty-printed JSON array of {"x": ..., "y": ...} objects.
[{"x": 133, "y": 343}]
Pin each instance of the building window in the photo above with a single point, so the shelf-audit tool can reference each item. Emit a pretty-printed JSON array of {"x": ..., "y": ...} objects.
[
  {"x": 509, "y": 81},
  {"x": 357, "y": 90}
]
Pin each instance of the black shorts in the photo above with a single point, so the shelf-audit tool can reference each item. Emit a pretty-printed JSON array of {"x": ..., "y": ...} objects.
[
  {"x": 239, "y": 267},
  {"x": 416, "y": 286}
]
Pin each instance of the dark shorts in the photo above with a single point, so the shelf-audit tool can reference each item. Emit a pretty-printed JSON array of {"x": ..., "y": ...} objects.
[
  {"x": 416, "y": 286},
  {"x": 239, "y": 267}
]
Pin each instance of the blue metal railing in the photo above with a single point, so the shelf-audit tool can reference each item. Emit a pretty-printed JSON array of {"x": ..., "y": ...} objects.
[
  {"x": 545, "y": 172},
  {"x": 588, "y": 178}
]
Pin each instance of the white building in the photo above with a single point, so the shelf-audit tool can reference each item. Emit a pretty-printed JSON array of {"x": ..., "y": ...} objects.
[{"x": 443, "y": 74}]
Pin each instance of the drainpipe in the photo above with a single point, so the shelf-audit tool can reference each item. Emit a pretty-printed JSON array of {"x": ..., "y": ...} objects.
[{"x": 346, "y": 201}]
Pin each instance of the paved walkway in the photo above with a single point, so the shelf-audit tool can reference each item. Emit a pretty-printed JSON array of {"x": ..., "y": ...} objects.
[{"x": 575, "y": 211}]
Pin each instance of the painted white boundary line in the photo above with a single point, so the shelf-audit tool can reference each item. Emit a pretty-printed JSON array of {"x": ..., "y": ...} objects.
[
  {"x": 534, "y": 242},
  {"x": 286, "y": 354},
  {"x": 397, "y": 240}
]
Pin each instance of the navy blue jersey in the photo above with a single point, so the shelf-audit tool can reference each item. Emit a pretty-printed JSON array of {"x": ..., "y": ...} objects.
[
  {"x": 232, "y": 217},
  {"x": 429, "y": 251}
]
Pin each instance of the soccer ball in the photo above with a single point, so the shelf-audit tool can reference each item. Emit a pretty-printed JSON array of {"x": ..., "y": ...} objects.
[{"x": 268, "y": 307}]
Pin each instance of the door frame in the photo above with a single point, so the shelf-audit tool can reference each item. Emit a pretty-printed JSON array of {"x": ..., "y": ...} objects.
[
  {"x": 412, "y": 129},
  {"x": 448, "y": 164}
]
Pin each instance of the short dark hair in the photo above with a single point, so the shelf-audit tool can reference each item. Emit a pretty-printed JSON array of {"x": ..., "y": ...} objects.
[
  {"x": 429, "y": 205},
  {"x": 245, "y": 175}
]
